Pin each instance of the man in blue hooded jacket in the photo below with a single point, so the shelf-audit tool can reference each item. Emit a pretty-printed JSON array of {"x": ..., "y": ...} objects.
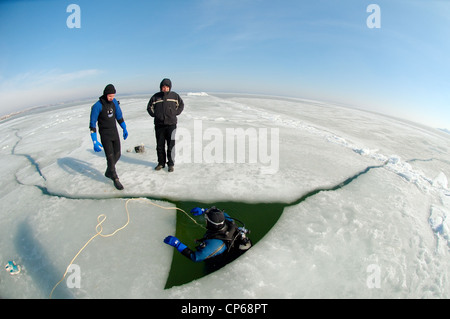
[{"x": 106, "y": 112}]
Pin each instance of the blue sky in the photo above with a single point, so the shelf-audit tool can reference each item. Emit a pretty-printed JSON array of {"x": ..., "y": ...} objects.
[{"x": 319, "y": 49}]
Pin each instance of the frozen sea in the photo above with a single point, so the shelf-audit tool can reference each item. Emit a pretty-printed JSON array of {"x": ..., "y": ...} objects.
[{"x": 365, "y": 201}]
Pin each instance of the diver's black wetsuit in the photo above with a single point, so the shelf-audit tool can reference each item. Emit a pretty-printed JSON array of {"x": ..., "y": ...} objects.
[{"x": 107, "y": 113}]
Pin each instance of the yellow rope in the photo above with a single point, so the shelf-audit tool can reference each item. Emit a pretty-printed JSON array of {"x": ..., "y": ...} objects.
[{"x": 99, "y": 229}]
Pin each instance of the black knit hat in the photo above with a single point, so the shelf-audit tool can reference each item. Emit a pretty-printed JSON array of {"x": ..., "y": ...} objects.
[
  {"x": 109, "y": 89},
  {"x": 215, "y": 219}
]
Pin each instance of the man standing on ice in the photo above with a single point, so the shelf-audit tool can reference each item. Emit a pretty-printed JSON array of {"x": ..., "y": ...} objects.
[
  {"x": 106, "y": 112},
  {"x": 165, "y": 106}
]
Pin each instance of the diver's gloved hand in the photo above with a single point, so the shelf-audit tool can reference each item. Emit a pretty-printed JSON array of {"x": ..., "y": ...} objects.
[
  {"x": 175, "y": 242},
  {"x": 197, "y": 211},
  {"x": 125, "y": 132},
  {"x": 97, "y": 145}
]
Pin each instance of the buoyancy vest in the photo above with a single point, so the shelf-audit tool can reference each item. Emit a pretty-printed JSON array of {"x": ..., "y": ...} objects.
[
  {"x": 107, "y": 116},
  {"x": 228, "y": 234}
]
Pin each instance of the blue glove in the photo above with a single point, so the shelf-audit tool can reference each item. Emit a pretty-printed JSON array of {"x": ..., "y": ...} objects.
[
  {"x": 175, "y": 242},
  {"x": 97, "y": 145},
  {"x": 197, "y": 211},
  {"x": 125, "y": 132}
]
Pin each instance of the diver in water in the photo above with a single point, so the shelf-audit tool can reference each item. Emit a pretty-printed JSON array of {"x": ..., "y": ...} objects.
[{"x": 223, "y": 241}]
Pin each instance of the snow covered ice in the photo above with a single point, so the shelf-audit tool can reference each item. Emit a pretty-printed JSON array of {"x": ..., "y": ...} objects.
[{"x": 366, "y": 215}]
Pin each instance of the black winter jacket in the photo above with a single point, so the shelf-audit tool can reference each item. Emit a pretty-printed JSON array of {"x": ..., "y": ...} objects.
[{"x": 165, "y": 107}]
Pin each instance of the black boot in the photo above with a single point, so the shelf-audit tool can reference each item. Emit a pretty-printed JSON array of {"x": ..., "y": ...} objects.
[
  {"x": 117, "y": 184},
  {"x": 109, "y": 175}
]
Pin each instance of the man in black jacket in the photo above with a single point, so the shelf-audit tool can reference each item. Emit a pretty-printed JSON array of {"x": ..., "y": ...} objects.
[{"x": 165, "y": 106}]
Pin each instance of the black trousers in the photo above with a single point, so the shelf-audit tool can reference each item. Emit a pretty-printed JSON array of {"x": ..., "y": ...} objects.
[
  {"x": 111, "y": 146},
  {"x": 164, "y": 136}
]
